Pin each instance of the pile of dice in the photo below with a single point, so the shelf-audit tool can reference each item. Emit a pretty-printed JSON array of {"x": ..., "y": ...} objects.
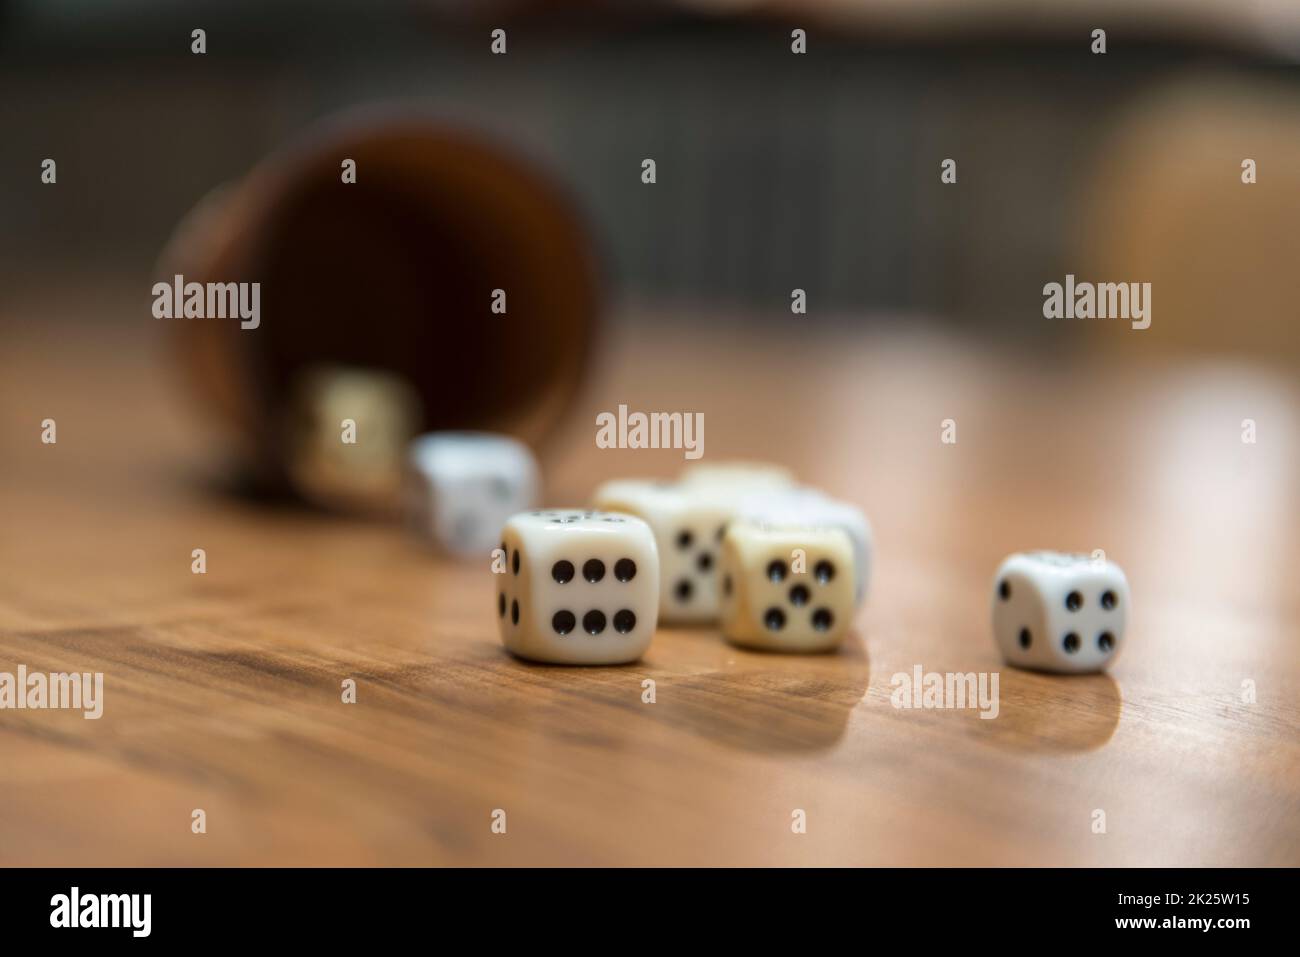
[{"x": 773, "y": 564}]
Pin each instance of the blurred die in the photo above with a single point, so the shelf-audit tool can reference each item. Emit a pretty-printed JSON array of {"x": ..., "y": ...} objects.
[
  {"x": 463, "y": 486},
  {"x": 347, "y": 430},
  {"x": 737, "y": 475}
]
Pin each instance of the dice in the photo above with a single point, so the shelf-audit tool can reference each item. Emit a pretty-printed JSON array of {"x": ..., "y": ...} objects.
[
  {"x": 577, "y": 587},
  {"x": 461, "y": 487},
  {"x": 786, "y": 587},
  {"x": 688, "y": 524},
  {"x": 809, "y": 507},
  {"x": 1059, "y": 612},
  {"x": 738, "y": 476},
  {"x": 346, "y": 431}
]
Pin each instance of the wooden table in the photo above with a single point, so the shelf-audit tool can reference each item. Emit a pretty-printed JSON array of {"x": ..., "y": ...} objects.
[{"x": 222, "y": 691}]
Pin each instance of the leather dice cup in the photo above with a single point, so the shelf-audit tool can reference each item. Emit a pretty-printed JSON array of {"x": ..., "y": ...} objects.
[{"x": 439, "y": 220}]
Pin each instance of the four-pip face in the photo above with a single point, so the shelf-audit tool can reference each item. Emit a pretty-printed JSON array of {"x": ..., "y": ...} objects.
[
  {"x": 580, "y": 587},
  {"x": 1059, "y": 612}
]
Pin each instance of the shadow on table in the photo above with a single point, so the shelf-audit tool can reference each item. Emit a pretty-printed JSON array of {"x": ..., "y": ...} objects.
[
  {"x": 769, "y": 701},
  {"x": 1054, "y": 714}
]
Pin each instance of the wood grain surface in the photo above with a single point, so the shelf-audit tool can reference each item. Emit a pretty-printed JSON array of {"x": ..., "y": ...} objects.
[{"x": 222, "y": 691}]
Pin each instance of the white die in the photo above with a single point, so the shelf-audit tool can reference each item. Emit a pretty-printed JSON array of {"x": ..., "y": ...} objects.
[
  {"x": 462, "y": 486},
  {"x": 381, "y": 413},
  {"x": 809, "y": 507},
  {"x": 578, "y": 587},
  {"x": 738, "y": 476},
  {"x": 1054, "y": 611},
  {"x": 786, "y": 587},
  {"x": 688, "y": 524}
]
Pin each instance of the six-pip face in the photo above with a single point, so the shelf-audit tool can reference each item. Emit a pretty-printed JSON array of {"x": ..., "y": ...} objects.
[{"x": 579, "y": 587}]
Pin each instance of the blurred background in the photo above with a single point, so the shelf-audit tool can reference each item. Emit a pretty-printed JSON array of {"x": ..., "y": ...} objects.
[{"x": 775, "y": 171}]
